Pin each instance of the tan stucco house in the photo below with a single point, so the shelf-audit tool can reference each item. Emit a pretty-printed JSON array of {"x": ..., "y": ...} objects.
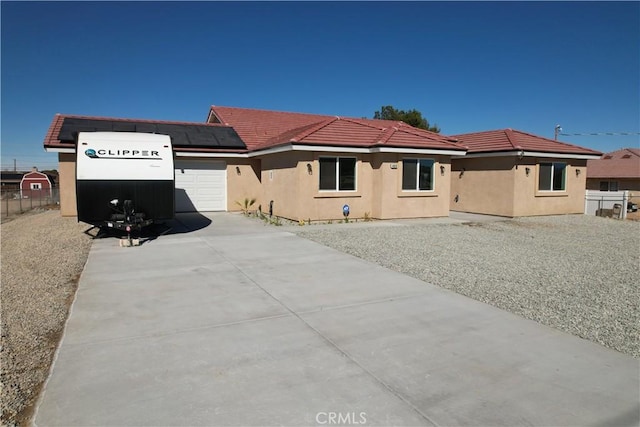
[
  {"x": 303, "y": 166},
  {"x": 513, "y": 173}
]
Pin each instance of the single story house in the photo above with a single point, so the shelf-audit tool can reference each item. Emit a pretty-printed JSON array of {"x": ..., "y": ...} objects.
[
  {"x": 10, "y": 181},
  {"x": 302, "y": 166},
  {"x": 36, "y": 184},
  {"x": 512, "y": 173},
  {"x": 615, "y": 171}
]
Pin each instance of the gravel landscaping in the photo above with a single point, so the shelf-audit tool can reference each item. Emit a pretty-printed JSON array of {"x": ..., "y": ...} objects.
[
  {"x": 579, "y": 274},
  {"x": 42, "y": 257}
]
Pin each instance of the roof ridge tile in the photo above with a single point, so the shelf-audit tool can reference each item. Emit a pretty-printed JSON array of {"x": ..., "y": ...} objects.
[
  {"x": 511, "y": 137},
  {"x": 313, "y": 129}
]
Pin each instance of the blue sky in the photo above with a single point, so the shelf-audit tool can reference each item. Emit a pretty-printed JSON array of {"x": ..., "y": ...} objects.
[{"x": 467, "y": 66}]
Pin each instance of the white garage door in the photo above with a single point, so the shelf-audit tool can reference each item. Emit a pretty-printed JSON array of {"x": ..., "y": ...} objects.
[{"x": 201, "y": 185}]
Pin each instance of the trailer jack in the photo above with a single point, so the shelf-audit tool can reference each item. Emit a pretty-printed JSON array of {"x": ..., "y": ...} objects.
[{"x": 128, "y": 241}]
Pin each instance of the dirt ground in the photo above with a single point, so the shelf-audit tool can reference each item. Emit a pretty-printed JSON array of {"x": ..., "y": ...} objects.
[{"x": 43, "y": 255}]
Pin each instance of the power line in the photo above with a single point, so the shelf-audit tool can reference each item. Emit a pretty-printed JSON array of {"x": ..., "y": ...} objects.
[{"x": 600, "y": 133}]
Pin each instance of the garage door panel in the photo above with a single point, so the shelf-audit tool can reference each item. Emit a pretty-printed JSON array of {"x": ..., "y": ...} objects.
[{"x": 200, "y": 185}]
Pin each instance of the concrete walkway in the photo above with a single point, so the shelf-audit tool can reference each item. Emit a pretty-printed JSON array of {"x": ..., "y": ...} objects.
[{"x": 239, "y": 323}]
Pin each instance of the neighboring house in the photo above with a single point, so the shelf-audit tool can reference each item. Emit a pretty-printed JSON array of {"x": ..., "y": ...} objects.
[
  {"x": 36, "y": 184},
  {"x": 512, "y": 173},
  {"x": 10, "y": 181},
  {"x": 615, "y": 171},
  {"x": 302, "y": 166}
]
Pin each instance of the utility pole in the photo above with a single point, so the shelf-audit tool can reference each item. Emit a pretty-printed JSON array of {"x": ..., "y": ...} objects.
[
  {"x": 14, "y": 165},
  {"x": 557, "y": 130}
]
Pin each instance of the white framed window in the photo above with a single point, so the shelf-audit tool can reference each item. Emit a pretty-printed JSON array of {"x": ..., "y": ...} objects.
[
  {"x": 417, "y": 174},
  {"x": 552, "y": 176},
  {"x": 337, "y": 173},
  {"x": 36, "y": 186}
]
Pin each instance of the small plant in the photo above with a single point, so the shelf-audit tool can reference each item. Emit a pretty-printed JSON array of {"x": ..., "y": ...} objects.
[
  {"x": 309, "y": 221},
  {"x": 246, "y": 205},
  {"x": 301, "y": 222},
  {"x": 367, "y": 217},
  {"x": 330, "y": 221},
  {"x": 276, "y": 221},
  {"x": 346, "y": 219}
]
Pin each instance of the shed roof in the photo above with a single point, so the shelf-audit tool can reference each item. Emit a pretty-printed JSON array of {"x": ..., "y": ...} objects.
[
  {"x": 11, "y": 176},
  {"x": 624, "y": 163},
  {"x": 263, "y": 129},
  {"x": 512, "y": 140}
]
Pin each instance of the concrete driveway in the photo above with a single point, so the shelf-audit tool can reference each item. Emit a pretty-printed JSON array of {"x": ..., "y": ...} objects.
[{"x": 238, "y": 323}]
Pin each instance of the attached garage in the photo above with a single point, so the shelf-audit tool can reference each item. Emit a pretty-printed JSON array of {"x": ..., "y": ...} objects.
[{"x": 201, "y": 185}]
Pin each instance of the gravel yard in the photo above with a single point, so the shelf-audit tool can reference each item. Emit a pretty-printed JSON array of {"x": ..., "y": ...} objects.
[
  {"x": 580, "y": 274},
  {"x": 42, "y": 257}
]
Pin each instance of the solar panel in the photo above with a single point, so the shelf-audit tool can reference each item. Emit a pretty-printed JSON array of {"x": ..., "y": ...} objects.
[{"x": 182, "y": 135}]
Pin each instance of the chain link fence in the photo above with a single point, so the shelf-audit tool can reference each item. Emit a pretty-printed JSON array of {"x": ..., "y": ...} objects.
[{"x": 13, "y": 202}]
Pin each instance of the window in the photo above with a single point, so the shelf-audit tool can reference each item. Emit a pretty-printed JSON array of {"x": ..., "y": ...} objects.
[
  {"x": 552, "y": 176},
  {"x": 36, "y": 186},
  {"x": 608, "y": 185},
  {"x": 338, "y": 173},
  {"x": 417, "y": 175}
]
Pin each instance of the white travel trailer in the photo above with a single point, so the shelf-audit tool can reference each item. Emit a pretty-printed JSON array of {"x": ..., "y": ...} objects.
[{"x": 124, "y": 180}]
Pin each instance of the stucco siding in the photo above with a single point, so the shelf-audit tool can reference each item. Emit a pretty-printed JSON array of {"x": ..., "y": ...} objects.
[
  {"x": 398, "y": 203},
  {"x": 67, "y": 183},
  {"x": 291, "y": 180},
  {"x": 484, "y": 185},
  {"x": 280, "y": 182},
  {"x": 529, "y": 201},
  {"x": 243, "y": 182},
  {"x": 323, "y": 205}
]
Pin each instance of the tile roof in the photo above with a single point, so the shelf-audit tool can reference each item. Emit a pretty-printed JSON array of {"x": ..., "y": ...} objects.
[
  {"x": 511, "y": 140},
  {"x": 190, "y": 136},
  {"x": 262, "y": 129},
  {"x": 623, "y": 163}
]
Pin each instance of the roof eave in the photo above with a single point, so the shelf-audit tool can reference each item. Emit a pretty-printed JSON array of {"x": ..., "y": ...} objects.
[
  {"x": 367, "y": 149},
  {"x": 530, "y": 153}
]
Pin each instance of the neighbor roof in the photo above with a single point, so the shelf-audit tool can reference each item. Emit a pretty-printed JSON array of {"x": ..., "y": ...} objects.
[
  {"x": 186, "y": 136},
  {"x": 11, "y": 176},
  {"x": 263, "y": 129},
  {"x": 515, "y": 140},
  {"x": 623, "y": 163}
]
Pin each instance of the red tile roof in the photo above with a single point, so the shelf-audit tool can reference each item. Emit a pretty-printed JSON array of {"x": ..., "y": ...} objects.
[
  {"x": 623, "y": 163},
  {"x": 512, "y": 140},
  {"x": 261, "y": 129}
]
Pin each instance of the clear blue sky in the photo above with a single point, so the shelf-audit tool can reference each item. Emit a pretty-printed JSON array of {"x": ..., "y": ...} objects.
[{"x": 467, "y": 66}]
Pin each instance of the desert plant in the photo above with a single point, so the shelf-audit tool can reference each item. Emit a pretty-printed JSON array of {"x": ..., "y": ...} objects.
[
  {"x": 301, "y": 222},
  {"x": 367, "y": 217},
  {"x": 245, "y": 205}
]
